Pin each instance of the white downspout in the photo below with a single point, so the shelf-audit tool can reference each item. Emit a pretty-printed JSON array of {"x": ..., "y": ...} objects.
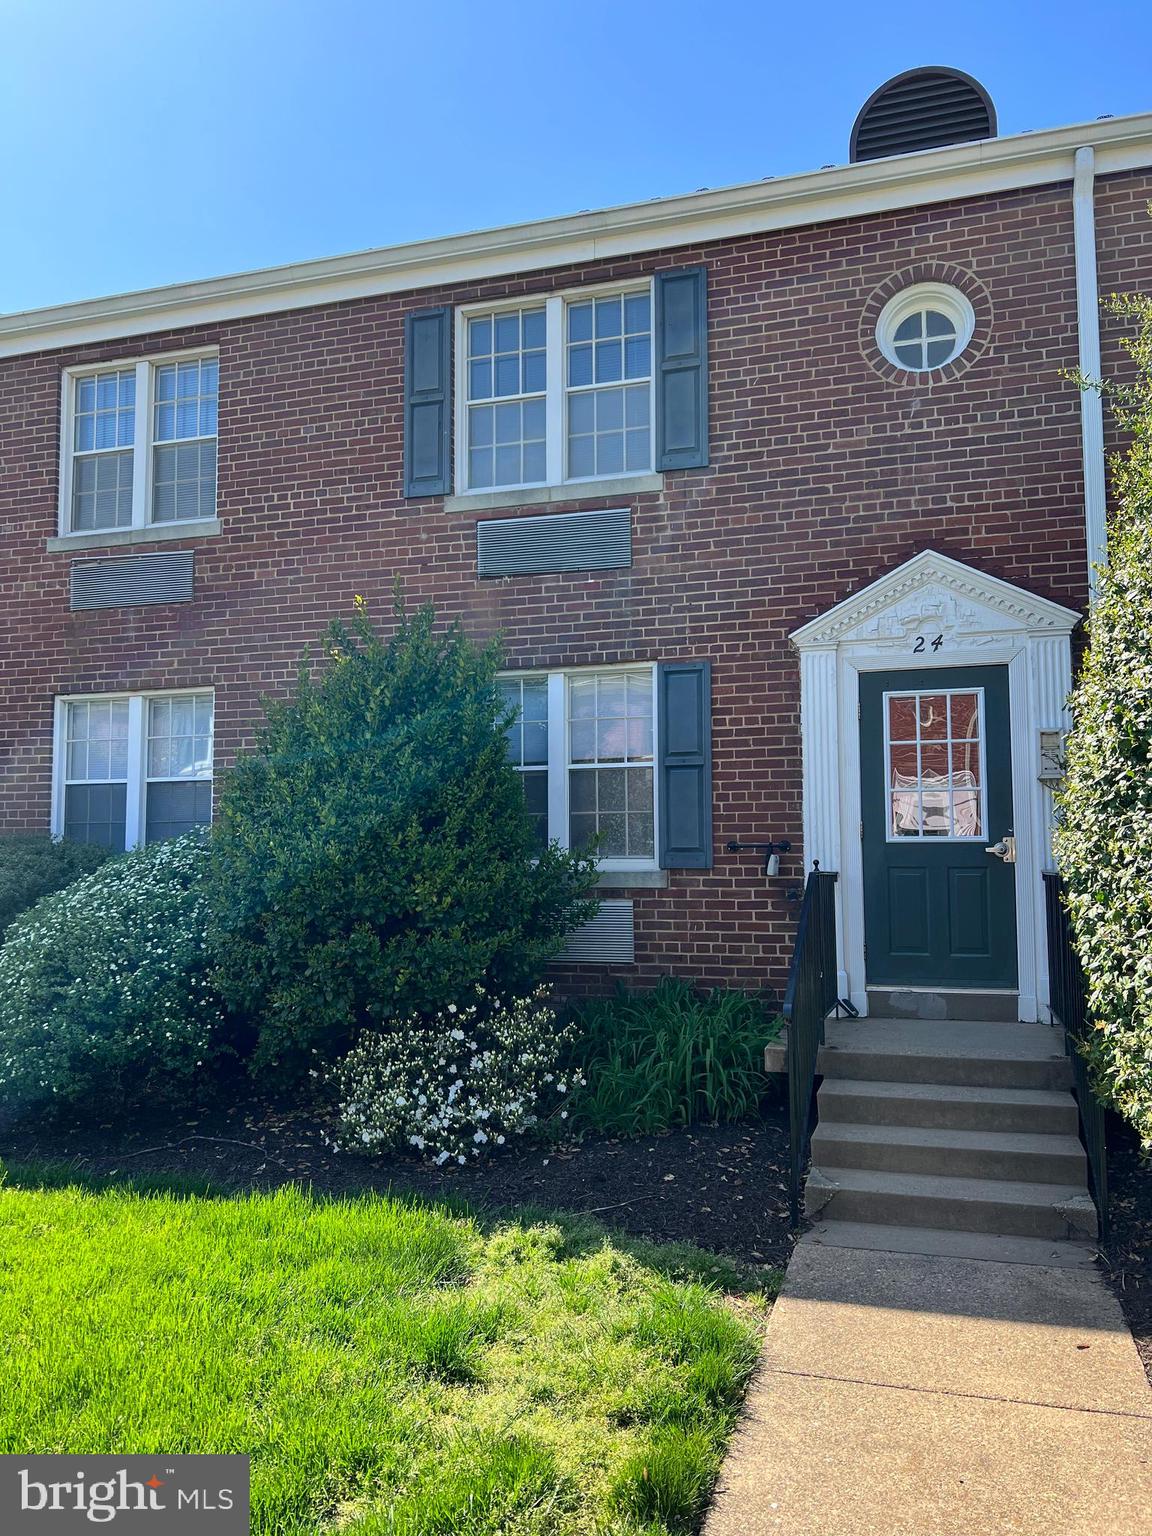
[{"x": 1088, "y": 329}]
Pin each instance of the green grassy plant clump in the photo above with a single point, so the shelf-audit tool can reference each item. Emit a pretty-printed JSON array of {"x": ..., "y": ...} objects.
[
  {"x": 1104, "y": 841},
  {"x": 390, "y": 1367},
  {"x": 106, "y": 993},
  {"x": 669, "y": 1057},
  {"x": 374, "y": 856},
  {"x": 36, "y": 865}
]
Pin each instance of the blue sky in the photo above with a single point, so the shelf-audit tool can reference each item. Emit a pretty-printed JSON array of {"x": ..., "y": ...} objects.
[{"x": 146, "y": 142}]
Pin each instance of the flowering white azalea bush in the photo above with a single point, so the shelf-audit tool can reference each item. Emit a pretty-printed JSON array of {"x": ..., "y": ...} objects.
[
  {"x": 106, "y": 997},
  {"x": 457, "y": 1084}
]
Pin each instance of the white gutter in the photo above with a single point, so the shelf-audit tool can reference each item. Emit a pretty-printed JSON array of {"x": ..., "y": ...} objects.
[
  {"x": 1088, "y": 327},
  {"x": 952, "y": 172}
]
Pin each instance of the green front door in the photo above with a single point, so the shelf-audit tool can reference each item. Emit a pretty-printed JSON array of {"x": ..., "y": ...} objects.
[{"x": 936, "y": 786}]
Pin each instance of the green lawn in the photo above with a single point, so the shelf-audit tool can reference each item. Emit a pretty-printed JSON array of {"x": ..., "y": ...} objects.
[{"x": 391, "y": 1367}]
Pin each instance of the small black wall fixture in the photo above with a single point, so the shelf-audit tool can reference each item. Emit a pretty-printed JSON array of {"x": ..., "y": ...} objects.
[{"x": 771, "y": 852}]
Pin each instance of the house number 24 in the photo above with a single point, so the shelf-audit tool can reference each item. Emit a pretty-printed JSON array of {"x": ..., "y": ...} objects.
[{"x": 922, "y": 644}]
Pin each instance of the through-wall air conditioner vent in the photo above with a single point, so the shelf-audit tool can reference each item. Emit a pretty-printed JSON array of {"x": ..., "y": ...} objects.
[
  {"x": 133, "y": 581},
  {"x": 564, "y": 541},
  {"x": 922, "y": 109},
  {"x": 609, "y": 939}
]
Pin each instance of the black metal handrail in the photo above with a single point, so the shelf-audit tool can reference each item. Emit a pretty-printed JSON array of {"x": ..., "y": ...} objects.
[
  {"x": 1069, "y": 1003},
  {"x": 808, "y": 998}
]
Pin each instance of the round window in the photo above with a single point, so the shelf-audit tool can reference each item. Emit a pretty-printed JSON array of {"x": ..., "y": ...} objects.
[{"x": 925, "y": 327}]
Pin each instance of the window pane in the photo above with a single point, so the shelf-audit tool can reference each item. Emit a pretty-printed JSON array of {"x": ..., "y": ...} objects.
[
  {"x": 933, "y": 777},
  {"x": 910, "y": 329},
  {"x": 507, "y": 332},
  {"x": 610, "y": 722},
  {"x": 938, "y": 353},
  {"x": 507, "y": 379},
  {"x": 598, "y": 408},
  {"x": 179, "y": 742},
  {"x": 173, "y": 809},
  {"x": 911, "y": 357},
  {"x": 95, "y": 813},
  {"x": 480, "y": 379},
  {"x": 533, "y": 328},
  {"x": 637, "y": 313},
  {"x": 183, "y": 481},
  {"x": 579, "y": 366},
  {"x": 536, "y": 800},
  {"x": 936, "y": 324},
  {"x": 579, "y": 322},
  {"x": 608, "y": 317},
  {"x": 185, "y": 406},
  {"x": 608, "y": 361},
  {"x": 480, "y": 337},
  {"x": 637, "y": 357},
  {"x": 581, "y": 457}
]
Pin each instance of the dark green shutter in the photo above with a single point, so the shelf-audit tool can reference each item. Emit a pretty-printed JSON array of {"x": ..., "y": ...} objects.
[
  {"x": 682, "y": 368},
  {"x": 428, "y": 403},
  {"x": 684, "y": 740}
]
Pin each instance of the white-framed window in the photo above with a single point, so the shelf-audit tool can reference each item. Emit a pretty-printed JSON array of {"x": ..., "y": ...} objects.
[
  {"x": 584, "y": 741},
  {"x": 925, "y": 326},
  {"x": 555, "y": 390},
  {"x": 132, "y": 768},
  {"x": 138, "y": 443}
]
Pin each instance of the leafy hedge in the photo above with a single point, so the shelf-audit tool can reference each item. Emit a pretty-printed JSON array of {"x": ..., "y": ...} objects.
[
  {"x": 1104, "y": 842},
  {"x": 374, "y": 858},
  {"x": 35, "y": 865},
  {"x": 106, "y": 997}
]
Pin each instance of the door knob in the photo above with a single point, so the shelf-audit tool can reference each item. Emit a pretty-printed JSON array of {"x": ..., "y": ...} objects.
[{"x": 1005, "y": 849}]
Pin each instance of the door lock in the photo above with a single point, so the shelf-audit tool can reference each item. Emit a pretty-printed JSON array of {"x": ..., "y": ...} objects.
[{"x": 1005, "y": 849}]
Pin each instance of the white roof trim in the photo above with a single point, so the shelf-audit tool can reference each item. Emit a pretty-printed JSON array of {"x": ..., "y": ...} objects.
[
  {"x": 841, "y": 192},
  {"x": 1013, "y": 606}
]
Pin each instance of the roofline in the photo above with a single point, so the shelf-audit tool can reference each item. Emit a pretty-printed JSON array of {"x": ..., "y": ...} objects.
[{"x": 813, "y": 197}]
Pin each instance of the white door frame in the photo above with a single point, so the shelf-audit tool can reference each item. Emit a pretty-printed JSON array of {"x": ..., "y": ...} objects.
[{"x": 981, "y": 621}]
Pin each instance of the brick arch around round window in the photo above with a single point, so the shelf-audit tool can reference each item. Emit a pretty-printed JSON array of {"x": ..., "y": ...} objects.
[{"x": 909, "y": 277}]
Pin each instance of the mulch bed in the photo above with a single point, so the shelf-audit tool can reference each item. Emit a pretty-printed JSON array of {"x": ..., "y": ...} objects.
[
  {"x": 1128, "y": 1252},
  {"x": 721, "y": 1187}
]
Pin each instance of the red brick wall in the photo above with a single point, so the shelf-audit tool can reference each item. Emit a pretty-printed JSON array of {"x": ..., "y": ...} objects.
[{"x": 824, "y": 474}]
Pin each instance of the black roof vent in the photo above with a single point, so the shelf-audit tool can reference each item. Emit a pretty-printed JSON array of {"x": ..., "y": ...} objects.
[{"x": 922, "y": 109}]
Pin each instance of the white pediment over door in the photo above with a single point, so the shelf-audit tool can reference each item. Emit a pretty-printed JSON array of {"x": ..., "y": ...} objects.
[{"x": 932, "y": 595}]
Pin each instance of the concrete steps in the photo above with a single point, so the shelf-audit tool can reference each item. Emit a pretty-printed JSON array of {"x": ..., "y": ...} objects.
[
  {"x": 940, "y": 1125},
  {"x": 1005, "y": 1207},
  {"x": 1009, "y": 1155},
  {"x": 952, "y": 1106},
  {"x": 960, "y": 1052}
]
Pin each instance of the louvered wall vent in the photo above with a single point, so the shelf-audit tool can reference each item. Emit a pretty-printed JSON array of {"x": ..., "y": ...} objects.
[
  {"x": 133, "y": 582},
  {"x": 609, "y": 939},
  {"x": 922, "y": 109},
  {"x": 569, "y": 541}
]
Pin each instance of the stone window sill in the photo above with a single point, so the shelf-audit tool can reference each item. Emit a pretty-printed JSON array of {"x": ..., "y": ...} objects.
[
  {"x": 632, "y": 880},
  {"x": 121, "y": 538},
  {"x": 553, "y": 495}
]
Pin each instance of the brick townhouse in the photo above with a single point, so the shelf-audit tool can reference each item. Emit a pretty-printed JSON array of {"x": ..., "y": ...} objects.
[{"x": 778, "y": 495}]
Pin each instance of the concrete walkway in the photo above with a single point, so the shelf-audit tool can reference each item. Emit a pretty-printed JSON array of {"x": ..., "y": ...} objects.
[{"x": 906, "y": 1394}]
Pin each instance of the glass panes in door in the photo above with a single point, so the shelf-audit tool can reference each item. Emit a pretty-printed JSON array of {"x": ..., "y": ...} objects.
[{"x": 934, "y": 764}]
